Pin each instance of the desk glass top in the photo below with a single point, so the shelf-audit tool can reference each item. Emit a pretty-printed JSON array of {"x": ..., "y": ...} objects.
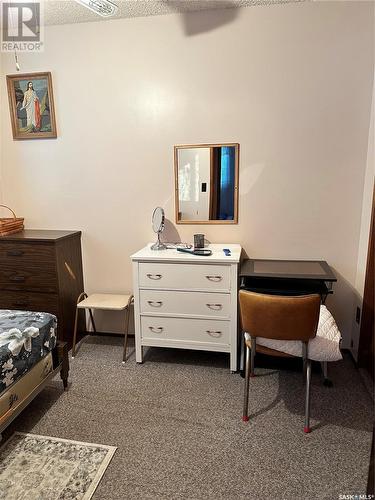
[{"x": 289, "y": 269}]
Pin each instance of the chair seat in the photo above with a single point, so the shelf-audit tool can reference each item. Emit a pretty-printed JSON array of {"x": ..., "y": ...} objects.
[
  {"x": 325, "y": 346},
  {"x": 105, "y": 301}
]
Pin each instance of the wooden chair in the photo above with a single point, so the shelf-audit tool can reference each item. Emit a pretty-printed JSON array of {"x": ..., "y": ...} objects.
[
  {"x": 106, "y": 302},
  {"x": 279, "y": 318}
]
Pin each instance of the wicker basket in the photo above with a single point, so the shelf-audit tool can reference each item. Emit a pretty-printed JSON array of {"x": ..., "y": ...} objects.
[{"x": 10, "y": 225}]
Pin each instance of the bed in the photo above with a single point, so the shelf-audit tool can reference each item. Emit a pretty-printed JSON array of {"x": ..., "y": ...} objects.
[{"x": 30, "y": 356}]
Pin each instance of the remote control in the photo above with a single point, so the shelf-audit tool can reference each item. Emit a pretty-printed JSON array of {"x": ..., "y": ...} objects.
[{"x": 198, "y": 251}]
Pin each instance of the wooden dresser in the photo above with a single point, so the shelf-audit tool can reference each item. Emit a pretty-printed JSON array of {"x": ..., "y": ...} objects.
[
  {"x": 42, "y": 271},
  {"x": 186, "y": 301}
]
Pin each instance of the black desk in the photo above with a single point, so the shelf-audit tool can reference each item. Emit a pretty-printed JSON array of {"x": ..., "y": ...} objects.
[{"x": 287, "y": 277}]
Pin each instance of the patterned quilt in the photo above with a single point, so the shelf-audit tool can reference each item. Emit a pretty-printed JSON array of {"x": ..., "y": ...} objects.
[
  {"x": 25, "y": 338},
  {"x": 325, "y": 346}
]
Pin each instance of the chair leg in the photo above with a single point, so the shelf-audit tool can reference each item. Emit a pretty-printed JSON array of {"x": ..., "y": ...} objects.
[
  {"x": 92, "y": 321},
  {"x": 127, "y": 329},
  {"x": 304, "y": 359},
  {"x": 307, "y": 403},
  {"x": 75, "y": 334},
  {"x": 245, "y": 415},
  {"x": 253, "y": 351},
  {"x": 326, "y": 381},
  {"x": 324, "y": 365}
]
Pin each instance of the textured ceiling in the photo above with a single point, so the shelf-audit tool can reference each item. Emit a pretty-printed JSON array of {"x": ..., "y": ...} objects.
[{"x": 69, "y": 11}]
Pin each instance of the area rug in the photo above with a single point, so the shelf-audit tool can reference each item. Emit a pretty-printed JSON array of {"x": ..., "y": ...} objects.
[{"x": 37, "y": 467}]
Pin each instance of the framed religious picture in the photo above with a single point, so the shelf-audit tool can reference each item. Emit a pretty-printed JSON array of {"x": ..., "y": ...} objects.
[{"x": 31, "y": 106}]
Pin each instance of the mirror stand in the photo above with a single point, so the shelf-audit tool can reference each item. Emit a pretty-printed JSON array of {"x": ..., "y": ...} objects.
[{"x": 158, "y": 245}]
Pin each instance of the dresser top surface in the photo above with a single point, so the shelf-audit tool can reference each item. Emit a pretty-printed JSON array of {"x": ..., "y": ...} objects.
[
  {"x": 172, "y": 255},
  {"x": 39, "y": 235}
]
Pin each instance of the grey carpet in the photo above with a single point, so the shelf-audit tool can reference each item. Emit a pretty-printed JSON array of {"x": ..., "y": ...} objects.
[{"x": 176, "y": 420}]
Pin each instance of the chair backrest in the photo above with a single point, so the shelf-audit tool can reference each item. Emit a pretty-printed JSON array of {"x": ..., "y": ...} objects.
[{"x": 279, "y": 317}]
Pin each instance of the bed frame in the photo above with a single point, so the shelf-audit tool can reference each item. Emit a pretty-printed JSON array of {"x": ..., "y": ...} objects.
[{"x": 60, "y": 364}]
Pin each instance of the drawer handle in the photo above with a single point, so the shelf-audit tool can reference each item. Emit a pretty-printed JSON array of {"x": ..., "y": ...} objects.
[
  {"x": 215, "y": 307},
  {"x": 155, "y": 303},
  {"x": 214, "y": 278},
  {"x": 17, "y": 279},
  {"x": 154, "y": 276},
  {"x": 215, "y": 334},
  {"x": 14, "y": 253},
  {"x": 159, "y": 329}
]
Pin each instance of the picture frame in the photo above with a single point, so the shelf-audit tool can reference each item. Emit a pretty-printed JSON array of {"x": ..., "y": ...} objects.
[{"x": 31, "y": 106}]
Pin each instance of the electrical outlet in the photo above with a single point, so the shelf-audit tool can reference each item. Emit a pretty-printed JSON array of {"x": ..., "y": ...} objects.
[{"x": 358, "y": 315}]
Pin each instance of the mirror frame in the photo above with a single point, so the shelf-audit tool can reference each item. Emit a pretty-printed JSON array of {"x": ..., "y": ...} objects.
[
  {"x": 162, "y": 224},
  {"x": 236, "y": 179}
]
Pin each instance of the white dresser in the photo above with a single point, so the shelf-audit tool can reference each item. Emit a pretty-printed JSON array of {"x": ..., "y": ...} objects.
[{"x": 186, "y": 301}]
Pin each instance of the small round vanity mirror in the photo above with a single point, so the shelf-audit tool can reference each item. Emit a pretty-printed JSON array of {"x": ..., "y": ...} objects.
[{"x": 158, "y": 220}]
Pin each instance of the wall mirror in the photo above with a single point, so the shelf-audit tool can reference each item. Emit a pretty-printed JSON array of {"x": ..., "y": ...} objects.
[{"x": 206, "y": 177}]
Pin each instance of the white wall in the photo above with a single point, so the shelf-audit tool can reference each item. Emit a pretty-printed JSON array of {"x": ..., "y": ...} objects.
[{"x": 291, "y": 83}]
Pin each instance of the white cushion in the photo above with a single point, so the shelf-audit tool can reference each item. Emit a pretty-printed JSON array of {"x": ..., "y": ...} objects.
[{"x": 324, "y": 347}]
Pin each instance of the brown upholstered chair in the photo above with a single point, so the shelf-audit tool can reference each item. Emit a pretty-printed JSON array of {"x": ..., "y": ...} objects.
[{"x": 279, "y": 318}]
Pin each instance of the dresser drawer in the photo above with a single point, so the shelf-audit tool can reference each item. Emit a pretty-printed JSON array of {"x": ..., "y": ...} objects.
[
  {"x": 24, "y": 254},
  {"x": 27, "y": 267},
  {"x": 184, "y": 276},
  {"x": 30, "y": 279},
  {"x": 185, "y": 330},
  {"x": 40, "y": 302},
  {"x": 170, "y": 303}
]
